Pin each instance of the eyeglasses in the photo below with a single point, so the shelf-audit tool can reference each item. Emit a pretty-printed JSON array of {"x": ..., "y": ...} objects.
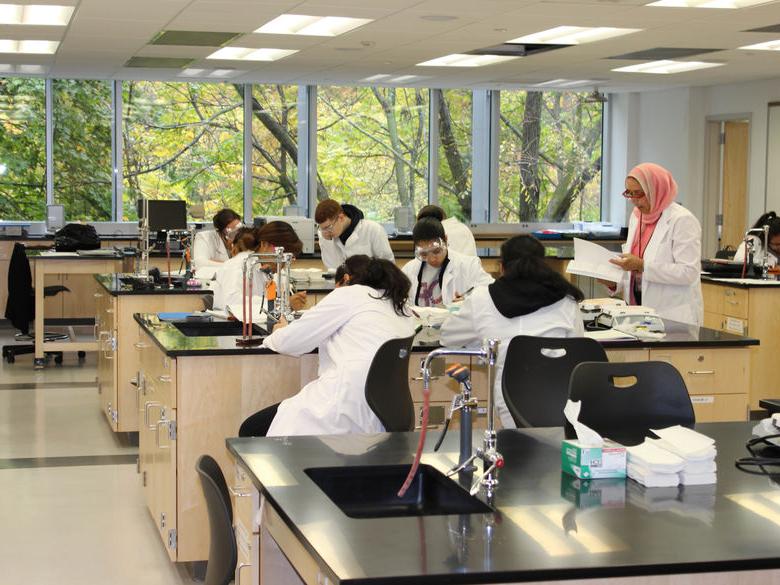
[
  {"x": 329, "y": 228},
  {"x": 633, "y": 194},
  {"x": 435, "y": 249}
]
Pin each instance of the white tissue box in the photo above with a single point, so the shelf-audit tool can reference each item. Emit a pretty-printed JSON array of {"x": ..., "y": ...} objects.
[{"x": 588, "y": 462}]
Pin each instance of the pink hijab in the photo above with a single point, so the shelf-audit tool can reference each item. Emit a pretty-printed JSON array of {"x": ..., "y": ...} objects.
[{"x": 661, "y": 190}]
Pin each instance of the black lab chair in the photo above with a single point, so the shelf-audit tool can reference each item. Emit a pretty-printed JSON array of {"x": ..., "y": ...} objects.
[
  {"x": 623, "y": 401},
  {"x": 223, "y": 553},
  {"x": 387, "y": 385},
  {"x": 535, "y": 381}
]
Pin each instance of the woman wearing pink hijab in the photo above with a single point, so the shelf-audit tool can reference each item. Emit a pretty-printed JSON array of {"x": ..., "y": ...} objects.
[{"x": 662, "y": 253}]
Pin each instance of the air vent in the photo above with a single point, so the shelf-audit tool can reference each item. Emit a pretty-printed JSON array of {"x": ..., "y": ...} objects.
[
  {"x": 662, "y": 53},
  {"x": 158, "y": 62},
  {"x": 516, "y": 49},
  {"x": 772, "y": 28},
  {"x": 193, "y": 38}
]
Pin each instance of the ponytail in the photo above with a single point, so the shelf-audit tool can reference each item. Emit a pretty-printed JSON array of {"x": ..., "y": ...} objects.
[
  {"x": 381, "y": 275},
  {"x": 523, "y": 259},
  {"x": 765, "y": 219}
]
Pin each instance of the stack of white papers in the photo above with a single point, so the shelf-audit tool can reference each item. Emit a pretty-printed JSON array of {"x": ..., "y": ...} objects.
[
  {"x": 679, "y": 456},
  {"x": 653, "y": 466},
  {"x": 593, "y": 260}
]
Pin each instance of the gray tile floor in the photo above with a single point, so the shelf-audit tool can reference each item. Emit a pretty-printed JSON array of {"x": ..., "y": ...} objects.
[{"x": 71, "y": 510}]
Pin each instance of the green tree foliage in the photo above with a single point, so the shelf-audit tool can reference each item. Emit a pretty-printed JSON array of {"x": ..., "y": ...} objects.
[
  {"x": 22, "y": 149},
  {"x": 455, "y": 153}
]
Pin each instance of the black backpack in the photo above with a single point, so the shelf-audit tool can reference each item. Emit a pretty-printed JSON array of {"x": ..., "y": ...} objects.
[{"x": 76, "y": 236}]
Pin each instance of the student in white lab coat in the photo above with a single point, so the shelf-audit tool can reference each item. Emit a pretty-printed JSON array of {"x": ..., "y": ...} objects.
[
  {"x": 757, "y": 238},
  {"x": 212, "y": 247},
  {"x": 459, "y": 236},
  {"x": 344, "y": 232},
  {"x": 229, "y": 277},
  {"x": 348, "y": 327},
  {"x": 529, "y": 298},
  {"x": 662, "y": 253},
  {"x": 438, "y": 274}
]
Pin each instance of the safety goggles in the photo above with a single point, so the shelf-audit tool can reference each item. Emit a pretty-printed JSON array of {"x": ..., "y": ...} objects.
[
  {"x": 328, "y": 229},
  {"x": 437, "y": 248},
  {"x": 230, "y": 233}
]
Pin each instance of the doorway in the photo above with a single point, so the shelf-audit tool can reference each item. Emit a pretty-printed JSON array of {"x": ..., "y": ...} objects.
[{"x": 727, "y": 153}]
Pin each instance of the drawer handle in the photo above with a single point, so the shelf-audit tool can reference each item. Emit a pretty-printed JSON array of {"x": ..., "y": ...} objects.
[
  {"x": 97, "y": 295},
  {"x": 239, "y": 494},
  {"x": 164, "y": 378},
  {"x": 701, "y": 372},
  {"x": 140, "y": 345},
  {"x": 161, "y": 422},
  {"x": 732, "y": 302},
  {"x": 147, "y": 406},
  {"x": 238, "y": 572}
]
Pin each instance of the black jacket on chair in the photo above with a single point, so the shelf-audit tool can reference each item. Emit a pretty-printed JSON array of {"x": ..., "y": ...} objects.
[{"x": 20, "y": 308}]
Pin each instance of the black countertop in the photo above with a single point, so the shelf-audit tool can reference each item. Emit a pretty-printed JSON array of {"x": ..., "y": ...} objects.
[
  {"x": 114, "y": 285},
  {"x": 546, "y": 525},
  {"x": 678, "y": 335},
  {"x": 742, "y": 282}
]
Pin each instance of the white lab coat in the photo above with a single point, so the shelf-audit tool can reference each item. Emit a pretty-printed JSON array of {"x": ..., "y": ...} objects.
[
  {"x": 229, "y": 282},
  {"x": 478, "y": 319},
  {"x": 671, "y": 281},
  {"x": 461, "y": 274},
  {"x": 369, "y": 238},
  {"x": 348, "y": 327},
  {"x": 459, "y": 237},
  {"x": 208, "y": 253},
  {"x": 758, "y": 252}
]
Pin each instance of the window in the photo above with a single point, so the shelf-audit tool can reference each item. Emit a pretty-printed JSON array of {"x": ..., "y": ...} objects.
[
  {"x": 372, "y": 148},
  {"x": 455, "y": 152},
  {"x": 82, "y": 148},
  {"x": 183, "y": 141},
  {"x": 549, "y": 157},
  {"x": 274, "y": 148},
  {"x": 22, "y": 149}
]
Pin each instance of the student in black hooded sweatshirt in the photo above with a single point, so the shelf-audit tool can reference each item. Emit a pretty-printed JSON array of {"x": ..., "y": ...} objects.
[{"x": 529, "y": 298}]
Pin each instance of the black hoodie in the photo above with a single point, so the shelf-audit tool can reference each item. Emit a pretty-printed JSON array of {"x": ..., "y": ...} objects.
[
  {"x": 354, "y": 215},
  {"x": 516, "y": 297}
]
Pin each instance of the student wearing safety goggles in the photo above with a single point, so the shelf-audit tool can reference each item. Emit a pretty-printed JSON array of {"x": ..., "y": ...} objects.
[
  {"x": 344, "y": 232},
  {"x": 212, "y": 247},
  {"x": 439, "y": 275}
]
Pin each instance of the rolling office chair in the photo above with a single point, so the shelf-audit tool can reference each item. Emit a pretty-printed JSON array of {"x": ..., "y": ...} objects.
[
  {"x": 623, "y": 401},
  {"x": 387, "y": 385},
  {"x": 20, "y": 307},
  {"x": 223, "y": 553},
  {"x": 535, "y": 382}
]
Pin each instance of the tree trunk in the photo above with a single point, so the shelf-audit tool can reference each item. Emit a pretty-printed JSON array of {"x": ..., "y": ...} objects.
[
  {"x": 457, "y": 163},
  {"x": 395, "y": 143},
  {"x": 529, "y": 164}
]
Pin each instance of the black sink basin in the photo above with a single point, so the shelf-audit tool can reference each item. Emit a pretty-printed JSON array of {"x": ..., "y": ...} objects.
[
  {"x": 371, "y": 492},
  {"x": 218, "y": 328}
]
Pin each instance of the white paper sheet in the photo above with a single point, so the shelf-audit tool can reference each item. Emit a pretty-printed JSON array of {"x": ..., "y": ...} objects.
[
  {"x": 609, "y": 335},
  {"x": 593, "y": 260}
]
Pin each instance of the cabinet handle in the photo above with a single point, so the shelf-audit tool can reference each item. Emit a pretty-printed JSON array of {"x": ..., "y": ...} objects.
[
  {"x": 164, "y": 378},
  {"x": 238, "y": 494},
  {"x": 147, "y": 405},
  {"x": 97, "y": 295},
  {"x": 732, "y": 302},
  {"x": 238, "y": 572},
  {"x": 140, "y": 345},
  {"x": 109, "y": 310},
  {"x": 160, "y": 423},
  {"x": 701, "y": 372}
]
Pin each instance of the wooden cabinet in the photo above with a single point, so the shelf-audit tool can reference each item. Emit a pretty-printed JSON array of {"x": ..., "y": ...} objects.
[
  {"x": 246, "y": 509},
  {"x": 106, "y": 334}
]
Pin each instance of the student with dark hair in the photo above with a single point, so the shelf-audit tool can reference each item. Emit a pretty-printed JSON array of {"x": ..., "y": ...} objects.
[
  {"x": 529, "y": 298},
  {"x": 459, "y": 236},
  {"x": 770, "y": 219},
  {"x": 347, "y": 327},
  {"x": 212, "y": 247},
  {"x": 439, "y": 275},
  {"x": 344, "y": 232}
]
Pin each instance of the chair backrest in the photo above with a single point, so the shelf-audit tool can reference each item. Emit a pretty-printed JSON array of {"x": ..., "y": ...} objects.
[
  {"x": 535, "y": 382},
  {"x": 20, "y": 307},
  {"x": 387, "y": 385},
  {"x": 623, "y": 401},
  {"x": 221, "y": 565}
]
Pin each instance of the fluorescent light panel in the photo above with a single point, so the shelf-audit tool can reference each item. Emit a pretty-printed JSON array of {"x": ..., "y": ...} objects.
[
  {"x": 387, "y": 78},
  {"x": 723, "y": 4},
  {"x": 573, "y": 35},
  {"x": 667, "y": 67},
  {"x": 317, "y": 26},
  {"x": 464, "y": 60},
  {"x": 247, "y": 54},
  {"x": 29, "y": 47},
  {"x": 565, "y": 82},
  {"x": 24, "y": 69},
  {"x": 767, "y": 46},
  {"x": 213, "y": 73},
  {"x": 35, "y": 14}
]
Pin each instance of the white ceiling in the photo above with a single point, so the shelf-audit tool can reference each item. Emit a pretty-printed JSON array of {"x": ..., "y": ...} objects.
[{"x": 104, "y": 34}]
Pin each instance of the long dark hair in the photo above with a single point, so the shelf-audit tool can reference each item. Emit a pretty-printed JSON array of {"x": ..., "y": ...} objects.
[
  {"x": 224, "y": 217},
  {"x": 523, "y": 259},
  {"x": 379, "y": 274},
  {"x": 281, "y": 234},
  {"x": 769, "y": 218}
]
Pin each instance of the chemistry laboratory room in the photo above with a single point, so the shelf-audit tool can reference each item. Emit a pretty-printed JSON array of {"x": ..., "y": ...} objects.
[{"x": 390, "y": 292}]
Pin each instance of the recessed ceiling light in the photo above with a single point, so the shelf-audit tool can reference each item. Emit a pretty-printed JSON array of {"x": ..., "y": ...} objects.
[
  {"x": 35, "y": 14},
  {"x": 667, "y": 66},
  {"x": 31, "y": 47},
  {"x": 24, "y": 69},
  {"x": 387, "y": 78},
  {"x": 561, "y": 83},
  {"x": 464, "y": 60},
  {"x": 767, "y": 46},
  {"x": 247, "y": 54},
  {"x": 213, "y": 73},
  {"x": 574, "y": 35},
  {"x": 317, "y": 26},
  {"x": 727, "y": 4}
]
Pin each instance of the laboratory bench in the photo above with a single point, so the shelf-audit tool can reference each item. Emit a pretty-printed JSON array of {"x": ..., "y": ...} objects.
[
  {"x": 543, "y": 526},
  {"x": 748, "y": 307},
  {"x": 194, "y": 391}
]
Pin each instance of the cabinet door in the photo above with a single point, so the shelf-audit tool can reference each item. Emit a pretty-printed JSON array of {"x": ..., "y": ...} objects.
[
  {"x": 78, "y": 303},
  {"x": 164, "y": 467}
]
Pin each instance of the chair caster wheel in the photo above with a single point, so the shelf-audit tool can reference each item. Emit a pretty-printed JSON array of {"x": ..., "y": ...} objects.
[
  {"x": 39, "y": 363},
  {"x": 82, "y": 356},
  {"x": 58, "y": 360}
]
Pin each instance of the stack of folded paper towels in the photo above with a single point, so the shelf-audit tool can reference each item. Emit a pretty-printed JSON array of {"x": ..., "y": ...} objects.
[{"x": 679, "y": 456}]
